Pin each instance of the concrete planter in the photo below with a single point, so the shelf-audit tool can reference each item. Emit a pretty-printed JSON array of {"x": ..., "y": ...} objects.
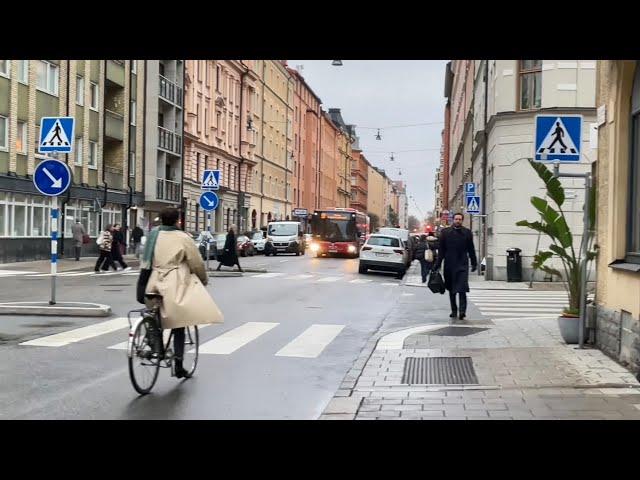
[{"x": 569, "y": 329}]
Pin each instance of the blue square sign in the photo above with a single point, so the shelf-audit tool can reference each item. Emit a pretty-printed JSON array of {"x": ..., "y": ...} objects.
[
  {"x": 469, "y": 189},
  {"x": 211, "y": 179},
  {"x": 473, "y": 204},
  {"x": 56, "y": 134},
  {"x": 558, "y": 138}
]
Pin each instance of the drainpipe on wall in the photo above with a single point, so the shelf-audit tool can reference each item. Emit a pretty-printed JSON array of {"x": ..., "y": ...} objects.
[
  {"x": 484, "y": 163},
  {"x": 184, "y": 200},
  {"x": 241, "y": 129},
  {"x": 66, "y": 155}
]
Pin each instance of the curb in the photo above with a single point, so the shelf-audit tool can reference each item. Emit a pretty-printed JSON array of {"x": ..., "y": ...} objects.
[
  {"x": 225, "y": 274},
  {"x": 64, "y": 309}
]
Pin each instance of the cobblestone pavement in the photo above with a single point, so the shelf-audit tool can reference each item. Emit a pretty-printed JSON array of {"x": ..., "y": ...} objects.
[{"x": 524, "y": 371}]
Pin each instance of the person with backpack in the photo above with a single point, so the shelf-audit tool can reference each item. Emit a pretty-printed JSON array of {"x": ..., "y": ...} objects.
[{"x": 105, "y": 241}]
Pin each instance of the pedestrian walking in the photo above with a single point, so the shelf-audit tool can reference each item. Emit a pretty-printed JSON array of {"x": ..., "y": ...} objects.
[
  {"x": 78, "y": 238},
  {"x": 230, "y": 254},
  {"x": 422, "y": 253},
  {"x": 456, "y": 249},
  {"x": 116, "y": 251},
  {"x": 136, "y": 238},
  {"x": 104, "y": 241}
]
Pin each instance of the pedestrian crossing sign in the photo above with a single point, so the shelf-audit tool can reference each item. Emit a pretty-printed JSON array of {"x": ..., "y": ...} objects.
[
  {"x": 56, "y": 134},
  {"x": 558, "y": 138},
  {"x": 211, "y": 179},
  {"x": 473, "y": 204}
]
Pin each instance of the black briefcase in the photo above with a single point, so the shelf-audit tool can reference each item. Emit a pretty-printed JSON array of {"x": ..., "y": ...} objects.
[{"x": 436, "y": 283}]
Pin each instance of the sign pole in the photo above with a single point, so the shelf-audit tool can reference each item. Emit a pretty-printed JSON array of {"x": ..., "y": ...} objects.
[
  {"x": 208, "y": 240},
  {"x": 54, "y": 248}
]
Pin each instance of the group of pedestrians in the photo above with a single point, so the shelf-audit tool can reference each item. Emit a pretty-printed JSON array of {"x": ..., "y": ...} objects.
[{"x": 112, "y": 245}]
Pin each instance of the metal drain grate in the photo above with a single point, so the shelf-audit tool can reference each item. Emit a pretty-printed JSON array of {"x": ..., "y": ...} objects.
[
  {"x": 456, "y": 331},
  {"x": 439, "y": 371}
]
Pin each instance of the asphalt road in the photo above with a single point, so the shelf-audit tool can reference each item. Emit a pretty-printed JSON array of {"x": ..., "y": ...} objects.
[{"x": 294, "y": 333}]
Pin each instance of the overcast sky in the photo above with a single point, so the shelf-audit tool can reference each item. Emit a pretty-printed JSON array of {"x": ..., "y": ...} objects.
[{"x": 379, "y": 93}]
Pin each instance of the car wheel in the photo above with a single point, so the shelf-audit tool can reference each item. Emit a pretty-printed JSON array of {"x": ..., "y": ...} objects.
[
  {"x": 400, "y": 274},
  {"x": 362, "y": 269}
]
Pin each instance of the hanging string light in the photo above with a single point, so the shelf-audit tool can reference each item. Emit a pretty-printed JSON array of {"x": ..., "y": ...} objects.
[{"x": 378, "y": 137}]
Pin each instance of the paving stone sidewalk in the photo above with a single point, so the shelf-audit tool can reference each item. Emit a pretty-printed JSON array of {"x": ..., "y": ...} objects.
[{"x": 524, "y": 371}]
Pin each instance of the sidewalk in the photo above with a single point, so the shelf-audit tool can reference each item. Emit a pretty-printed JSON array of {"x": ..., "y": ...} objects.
[
  {"x": 64, "y": 264},
  {"x": 517, "y": 368}
]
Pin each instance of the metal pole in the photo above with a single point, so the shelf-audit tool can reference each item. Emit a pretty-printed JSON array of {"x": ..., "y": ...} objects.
[
  {"x": 208, "y": 240},
  {"x": 583, "y": 273},
  {"x": 54, "y": 248}
]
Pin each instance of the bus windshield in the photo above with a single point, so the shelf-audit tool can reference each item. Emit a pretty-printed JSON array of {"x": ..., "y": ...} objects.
[{"x": 334, "y": 227}]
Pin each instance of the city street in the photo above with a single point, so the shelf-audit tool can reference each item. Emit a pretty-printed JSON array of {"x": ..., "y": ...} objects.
[{"x": 263, "y": 374}]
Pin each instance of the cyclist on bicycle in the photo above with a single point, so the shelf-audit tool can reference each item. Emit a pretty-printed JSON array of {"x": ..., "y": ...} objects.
[{"x": 178, "y": 276}]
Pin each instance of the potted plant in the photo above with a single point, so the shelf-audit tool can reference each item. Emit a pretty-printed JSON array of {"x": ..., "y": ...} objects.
[{"x": 554, "y": 225}]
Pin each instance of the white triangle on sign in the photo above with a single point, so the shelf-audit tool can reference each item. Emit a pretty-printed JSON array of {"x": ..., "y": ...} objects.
[
  {"x": 210, "y": 181},
  {"x": 56, "y": 137},
  {"x": 472, "y": 205},
  {"x": 551, "y": 143}
]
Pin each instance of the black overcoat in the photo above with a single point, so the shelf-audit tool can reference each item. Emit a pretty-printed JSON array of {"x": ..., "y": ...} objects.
[{"x": 456, "y": 249}]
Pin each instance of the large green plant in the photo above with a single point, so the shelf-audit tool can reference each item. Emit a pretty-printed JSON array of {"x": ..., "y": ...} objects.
[{"x": 554, "y": 225}]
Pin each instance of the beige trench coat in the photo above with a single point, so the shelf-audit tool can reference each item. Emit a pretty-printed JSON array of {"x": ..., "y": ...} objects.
[{"x": 179, "y": 276}]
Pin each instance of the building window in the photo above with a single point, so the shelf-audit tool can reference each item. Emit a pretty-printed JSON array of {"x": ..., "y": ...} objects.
[
  {"x": 21, "y": 138},
  {"x": 218, "y": 78},
  {"x": 79, "y": 151},
  {"x": 23, "y": 71},
  {"x": 93, "y": 155},
  {"x": 132, "y": 112},
  {"x": 132, "y": 164},
  {"x": 633, "y": 232},
  {"x": 206, "y": 121},
  {"x": 4, "y": 133},
  {"x": 95, "y": 96},
  {"x": 47, "y": 77},
  {"x": 134, "y": 66},
  {"x": 5, "y": 68},
  {"x": 80, "y": 90},
  {"x": 530, "y": 84}
]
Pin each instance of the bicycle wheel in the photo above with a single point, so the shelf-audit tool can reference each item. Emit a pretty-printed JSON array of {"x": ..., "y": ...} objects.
[
  {"x": 143, "y": 363},
  {"x": 191, "y": 344}
]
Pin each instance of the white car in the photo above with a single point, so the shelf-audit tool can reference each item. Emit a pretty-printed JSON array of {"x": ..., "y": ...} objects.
[
  {"x": 258, "y": 241},
  {"x": 384, "y": 252}
]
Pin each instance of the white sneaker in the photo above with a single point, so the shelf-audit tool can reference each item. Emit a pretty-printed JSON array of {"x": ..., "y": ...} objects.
[{"x": 127, "y": 269}]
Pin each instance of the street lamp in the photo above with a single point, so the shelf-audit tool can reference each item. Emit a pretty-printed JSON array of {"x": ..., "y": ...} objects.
[
  {"x": 378, "y": 137},
  {"x": 337, "y": 63}
]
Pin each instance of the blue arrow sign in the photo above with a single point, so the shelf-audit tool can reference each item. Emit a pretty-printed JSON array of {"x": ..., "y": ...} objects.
[
  {"x": 52, "y": 177},
  {"x": 558, "y": 138},
  {"x": 56, "y": 134},
  {"x": 469, "y": 189},
  {"x": 208, "y": 201},
  {"x": 473, "y": 204}
]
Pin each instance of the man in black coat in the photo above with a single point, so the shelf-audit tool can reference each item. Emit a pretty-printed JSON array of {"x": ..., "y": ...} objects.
[
  {"x": 456, "y": 248},
  {"x": 230, "y": 255}
]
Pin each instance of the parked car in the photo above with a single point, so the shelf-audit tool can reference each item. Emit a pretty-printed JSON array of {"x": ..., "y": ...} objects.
[
  {"x": 403, "y": 234},
  {"x": 245, "y": 246},
  {"x": 258, "y": 239},
  {"x": 384, "y": 252}
]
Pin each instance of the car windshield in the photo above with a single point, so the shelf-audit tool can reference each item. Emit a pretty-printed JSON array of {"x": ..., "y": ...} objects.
[
  {"x": 221, "y": 237},
  {"x": 283, "y": 229},
  {"x": 257, "y": 236},
  {"x": 384, "y": 241}
]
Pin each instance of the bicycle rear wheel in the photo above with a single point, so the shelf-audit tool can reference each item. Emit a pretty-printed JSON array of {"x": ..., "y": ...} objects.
[
  {"x": 191, "y": 344},
  {"x": 144, "y": 363}
]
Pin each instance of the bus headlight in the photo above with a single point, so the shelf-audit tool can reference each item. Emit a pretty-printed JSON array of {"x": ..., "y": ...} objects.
[
  {"x": 351, "y": 249},
  {"x": 314, "y": 247}
]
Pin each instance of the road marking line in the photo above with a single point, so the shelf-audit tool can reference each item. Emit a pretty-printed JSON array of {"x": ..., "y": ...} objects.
[
  {"x": 390, "y": 284},
  {"x": 11, "y": 273},
  {"x": 329, "y": 279},
  {"x": 75, "y": 274},
  {"x": 311, "y": 342},
  {"x": 165, "y": 335},
  {"x": 360, "y": 280},
  {"x": 79, "y": 334},
  {"x": 232, "y": 340},
  {"x": 282, "y": 261},
  {"x": 299, "y": 277},
  {"x": 520, "y": 303},
  {"x": 516, "y": 309},
  {"x": 268, "y": 275},
  {"x": 408, "y": 294}
]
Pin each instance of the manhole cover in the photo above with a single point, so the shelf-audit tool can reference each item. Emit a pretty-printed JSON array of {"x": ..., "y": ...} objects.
[
  {"x": 439, "y": 371},
  {"x": 456, "y": 331}
]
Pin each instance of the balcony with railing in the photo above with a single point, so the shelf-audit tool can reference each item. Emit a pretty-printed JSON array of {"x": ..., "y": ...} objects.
[
  {"x": 169, "y": 91},
  {"x": 169, "y": 141},
  {"x": 167, "y": 190}
]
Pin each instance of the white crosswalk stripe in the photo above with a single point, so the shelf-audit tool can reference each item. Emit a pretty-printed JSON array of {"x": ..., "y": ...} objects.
[
  {"x": 79, "y": 334},
  {"x": 234, "y": 339},
  {"x": 360, "y": 280},
  {"x": 518, "y": 303},
  {"x": 299, "y": 277},
  {"x": 329, "y": 279},
  {"x": 268, "y": 275},
  {"x": 311, "y": 342}
]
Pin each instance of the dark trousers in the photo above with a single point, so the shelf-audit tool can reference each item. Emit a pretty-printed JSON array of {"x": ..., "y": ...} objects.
[
  {"x": 425, "y": 268},
  {"x": 77, "y": 250},
  {"x": 105, "y": 257},
  {"x": 116, "y": 254},
  {"x": 178, "y": 343},
  {"x": 463, "y": 302}
]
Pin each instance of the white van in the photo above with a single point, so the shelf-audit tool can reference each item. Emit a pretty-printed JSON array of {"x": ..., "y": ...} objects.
[{"x": 284, "y": 237}]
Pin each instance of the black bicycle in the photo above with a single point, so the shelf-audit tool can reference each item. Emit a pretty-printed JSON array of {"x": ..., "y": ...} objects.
[{"x": 150, "y": 347}]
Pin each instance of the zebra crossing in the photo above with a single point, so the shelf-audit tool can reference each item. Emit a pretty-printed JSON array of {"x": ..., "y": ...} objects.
[
  {"x": 518, "y": 303},
  {"x": 322, "y": 278},
  {"x": 17, "y": 273},
  {"x": 309, "y": 343}
]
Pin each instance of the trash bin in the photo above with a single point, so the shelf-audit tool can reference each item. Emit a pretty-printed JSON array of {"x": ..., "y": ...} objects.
[{"x": 514, "y": 265}]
